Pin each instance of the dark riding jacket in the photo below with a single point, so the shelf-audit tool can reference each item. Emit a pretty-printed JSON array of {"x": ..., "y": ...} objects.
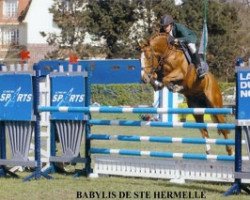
[{"x": 183, "y": 34}]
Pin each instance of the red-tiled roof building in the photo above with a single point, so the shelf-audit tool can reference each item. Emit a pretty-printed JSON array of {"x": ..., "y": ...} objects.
[{"x": 21, "y": 24}]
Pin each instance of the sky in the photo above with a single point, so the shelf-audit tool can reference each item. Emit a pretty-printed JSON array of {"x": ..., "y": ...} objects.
[{"x": 178, "y": 2}]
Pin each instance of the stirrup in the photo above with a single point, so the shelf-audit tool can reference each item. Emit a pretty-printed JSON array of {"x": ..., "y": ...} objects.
[
  {"x": 201, "y": 72},
  {"x": 202, "y": 75},
  {"x": 203, "y": 69}
]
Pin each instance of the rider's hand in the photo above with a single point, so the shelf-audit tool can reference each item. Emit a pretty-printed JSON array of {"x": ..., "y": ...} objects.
[
  {"x": 171, "y": 40},
  {"x": 176, "y": 41}
]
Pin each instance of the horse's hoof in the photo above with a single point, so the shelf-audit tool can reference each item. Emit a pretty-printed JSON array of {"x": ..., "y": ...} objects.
[
  {"x": 231, "y": 153},
  {"x": 230, "y": 150},
  {"x": 170, "y": 87},
  {"x": 156, "y": 88},
  {"x": 177, "y": 88},
  {"x": 208, "y": 152}
]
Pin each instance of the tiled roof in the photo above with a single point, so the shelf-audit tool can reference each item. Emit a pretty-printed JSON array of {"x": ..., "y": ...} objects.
[{"x": 23, "y": 7}]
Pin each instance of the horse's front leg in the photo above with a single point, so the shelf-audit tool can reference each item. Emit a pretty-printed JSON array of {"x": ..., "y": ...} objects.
[
  {"x": 152, "y": 79},
  {"x": 174, "y": 76},
  {"x": 156, "y": 84}
]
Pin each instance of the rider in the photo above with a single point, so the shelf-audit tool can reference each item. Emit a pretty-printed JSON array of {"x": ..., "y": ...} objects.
[{"x": 181, "y": 34}]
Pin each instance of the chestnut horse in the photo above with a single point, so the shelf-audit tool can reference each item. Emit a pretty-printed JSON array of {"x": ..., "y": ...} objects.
[{"x": 168, "y": 65}]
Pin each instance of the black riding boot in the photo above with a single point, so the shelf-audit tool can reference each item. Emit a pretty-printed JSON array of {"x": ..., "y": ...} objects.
[{"x": 201, "y": 66}]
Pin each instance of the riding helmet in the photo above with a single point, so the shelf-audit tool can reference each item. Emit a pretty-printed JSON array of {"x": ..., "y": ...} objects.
[{"x": 166, "y": 20}]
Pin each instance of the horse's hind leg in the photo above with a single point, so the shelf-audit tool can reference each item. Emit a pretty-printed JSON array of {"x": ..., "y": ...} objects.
[
  {"x": 204, "y": 132},
  {"x": 214, "y": 100},
  {"x": 225, "y": 133}
]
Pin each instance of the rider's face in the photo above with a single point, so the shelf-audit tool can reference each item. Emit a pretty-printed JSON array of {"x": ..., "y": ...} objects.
[{"x": 168, "y": 28}]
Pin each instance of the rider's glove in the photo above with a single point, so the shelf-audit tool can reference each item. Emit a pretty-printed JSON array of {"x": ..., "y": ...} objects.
[
  {"x": 176, "y": 41},
  {"x": 171, "y": 40}
]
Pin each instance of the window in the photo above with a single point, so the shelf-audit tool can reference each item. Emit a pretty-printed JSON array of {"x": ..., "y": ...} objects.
[
  {"x": 10, "y": 8},
  {"x": 67, "y": 5},
  {"x": 9, "y": 36}
]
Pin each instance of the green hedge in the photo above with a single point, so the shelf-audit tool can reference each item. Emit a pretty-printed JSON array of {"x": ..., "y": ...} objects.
[
  {"x": 129, "y": 94},
  {"x": 225, "y": 85},
  {"x": 123, "y": 94}
]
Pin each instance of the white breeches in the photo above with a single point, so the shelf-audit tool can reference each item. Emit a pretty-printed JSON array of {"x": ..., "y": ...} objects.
[{"x": 192, "y": 48}]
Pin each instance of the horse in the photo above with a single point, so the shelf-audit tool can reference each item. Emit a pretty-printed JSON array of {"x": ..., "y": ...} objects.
[{"x": 165, "y": 64}]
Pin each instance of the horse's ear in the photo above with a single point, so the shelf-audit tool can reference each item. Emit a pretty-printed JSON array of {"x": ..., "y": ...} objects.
[{"x": 143, "y": 43}]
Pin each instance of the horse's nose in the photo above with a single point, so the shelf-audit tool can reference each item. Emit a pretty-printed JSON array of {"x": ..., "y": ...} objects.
[
  {"x": 142, "y": 73},
  {"x": 144, "y": 77}
]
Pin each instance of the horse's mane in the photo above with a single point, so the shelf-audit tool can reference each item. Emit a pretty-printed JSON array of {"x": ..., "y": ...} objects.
[{"x": 158, "y": 34}]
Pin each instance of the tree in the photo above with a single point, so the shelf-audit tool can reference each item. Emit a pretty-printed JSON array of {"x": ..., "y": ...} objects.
[
  {"x": 69, "y": 16},
  {"x": 116, "y": 25},
  {"x": 223, "y": 43},
  {"x": 111, "y": 20},
  {"x": 243, "y": 40},
  {"x": 150, "y": 13},
  {"x": 223, "y": 23}
]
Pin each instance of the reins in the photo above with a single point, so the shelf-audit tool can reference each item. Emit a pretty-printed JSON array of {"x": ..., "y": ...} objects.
[{"x": 161, "y": 59}]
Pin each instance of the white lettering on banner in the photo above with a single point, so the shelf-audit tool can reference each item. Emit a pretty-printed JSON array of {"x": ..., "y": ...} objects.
[
  {"x": 24, "y": 97},
  {"x": 243, "y": 98},
  {"x": 244, "y": 78},
  {"x": 4, "y": 97},
  {"x": 76, "y": 98},
  {"x": 71, "y": 98},
  {"x": 57, "y": 98},
  {"x": 244, "y": 93},
  {"x": 244, "y": 85}
]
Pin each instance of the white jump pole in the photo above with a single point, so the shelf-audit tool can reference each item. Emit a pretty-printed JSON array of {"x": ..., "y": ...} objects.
[{"x": 166, "y": 99}]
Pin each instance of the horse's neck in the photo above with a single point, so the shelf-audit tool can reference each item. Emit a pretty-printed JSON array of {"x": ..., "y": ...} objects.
[
  {"x": 160, "y": 44},
  {"x": 174, "y": 58}
]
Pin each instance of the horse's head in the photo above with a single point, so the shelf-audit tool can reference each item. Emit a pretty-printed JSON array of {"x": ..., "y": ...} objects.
[
  {"x": 149, "y": 62},
  {"x": 153, "y": 51}
]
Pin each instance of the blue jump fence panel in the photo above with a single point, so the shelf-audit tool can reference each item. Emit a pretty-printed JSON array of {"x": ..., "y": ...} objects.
[
  {"x": 67, "y": 91},
  {"x": 17, "y": 121},
  {"x": 68, "y": 88},
  {"x": 113, "y": 71},
  {"x": 128, "y": 71},
  {"x": 16, "y": 97},
  {"x": 243, "y": 124},
  {"x": 243, "y": 97}
]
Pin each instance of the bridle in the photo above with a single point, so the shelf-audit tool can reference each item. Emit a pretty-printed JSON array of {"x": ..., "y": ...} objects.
[{"x": 160, "y": 61}]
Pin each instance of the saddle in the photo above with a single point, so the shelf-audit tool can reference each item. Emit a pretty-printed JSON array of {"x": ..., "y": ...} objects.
[
  {"x": 188, "y": 55},
  {"x": 186, "y": 51}
]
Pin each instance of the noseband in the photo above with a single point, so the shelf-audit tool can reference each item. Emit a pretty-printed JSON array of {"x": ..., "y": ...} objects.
[{"x": 160, "y": 62}]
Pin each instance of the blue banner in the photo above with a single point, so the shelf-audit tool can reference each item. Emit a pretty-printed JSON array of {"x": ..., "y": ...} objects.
[
  {"x": 243, "y": 96},
  {"x": 67, "y": 91},
  {"x": 110, "y": 71},
  {"x": 16, "y": 97},
  {"x": 115, "y": 71}
]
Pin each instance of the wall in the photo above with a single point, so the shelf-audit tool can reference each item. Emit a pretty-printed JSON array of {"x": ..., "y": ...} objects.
[{"x": 39, "y": 19}]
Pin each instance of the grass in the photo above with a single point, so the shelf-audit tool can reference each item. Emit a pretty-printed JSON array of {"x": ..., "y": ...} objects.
[{"x": 64, "y": 186}]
